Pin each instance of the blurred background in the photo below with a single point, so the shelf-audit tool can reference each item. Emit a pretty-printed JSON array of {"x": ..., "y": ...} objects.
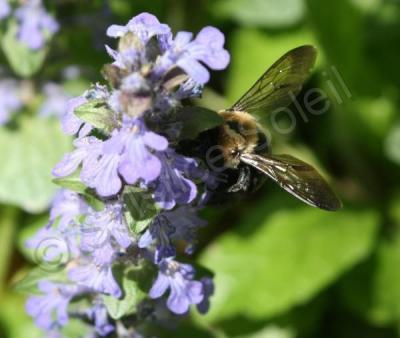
[{"x": 282, "y": 269}]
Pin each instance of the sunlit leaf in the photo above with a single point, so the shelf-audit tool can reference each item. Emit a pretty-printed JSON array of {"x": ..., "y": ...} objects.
[
  {"x": 29, "y": 153},
  {"x": 263, "y": 13},
  {"x": 373, "y": 290},
  {"x": 392, "y": 144},
  {"x": 134, "y": 283},
  {"x": 14, "y": 318},
  {"x": 97, "y": 114},
  {"x": 283, "y": 255},
  {"x": 140, "y": 209}
]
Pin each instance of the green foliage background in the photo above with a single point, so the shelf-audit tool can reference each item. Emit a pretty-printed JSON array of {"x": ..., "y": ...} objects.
[{"x": 283, "y": 269}]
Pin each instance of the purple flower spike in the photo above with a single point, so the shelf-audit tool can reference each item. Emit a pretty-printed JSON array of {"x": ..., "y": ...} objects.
[
  {"x": 144, "y": 25},
  {"x": 5, "y": 9},
  {"x": 50, "y": 309},
  {"x": 184, "y": 291},
  {"x": 34, "y": 23}
]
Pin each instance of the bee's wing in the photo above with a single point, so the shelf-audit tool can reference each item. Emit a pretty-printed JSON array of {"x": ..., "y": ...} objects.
[
  {"x": 280, "y": 83},
  {"x": 296, "y": 177}
]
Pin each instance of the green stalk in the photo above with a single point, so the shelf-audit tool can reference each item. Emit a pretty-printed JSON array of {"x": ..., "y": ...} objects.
[{"x": 8, "y": 217}]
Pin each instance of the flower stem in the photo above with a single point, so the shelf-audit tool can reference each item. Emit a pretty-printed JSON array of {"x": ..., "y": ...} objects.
[{"x": 9, "y": 216}]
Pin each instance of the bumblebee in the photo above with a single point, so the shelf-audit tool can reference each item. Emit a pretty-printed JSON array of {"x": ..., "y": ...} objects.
[{"x": 239, "y": 149}]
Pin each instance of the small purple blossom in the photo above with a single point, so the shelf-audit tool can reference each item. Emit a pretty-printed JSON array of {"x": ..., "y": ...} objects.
[
  {"x": 56, "y": 101},
  {"x": 186, "y": 222},
  {"x": 160, "y": 232},
  {"x": 190, "y": 55},
  {"x": 208, "y": 290},
  {"x": 105, "y": 226},
  {"x": 34, "y": 24},
  {"x": 66, "y": 206},
  {"x": 126, "y": 153},
  {"x": 98, "y": 313},
  {"x": 10, "y": 101},
  {"x": 102, "y": 173},
  {"x": 97, "y": 277},
  {"x": 179, "y": 224},
  {"x": 86, "y": 152},
  {"x": 135, "y": 142},
  {"x": 52, "y": 249},
  {"x": 173, "y": 187},
  {"x": 5, "y": 9},
  {"x": 184, "y": 291},
  {"x": 50, "y": 309},
  {"x": 57, "y": 243},
  {"x": 144, "y": 25}
]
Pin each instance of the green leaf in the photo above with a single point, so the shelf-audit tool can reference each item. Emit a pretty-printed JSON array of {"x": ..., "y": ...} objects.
[
  {"x": 135, "y": 281},
  {"x": 72, "y": 182},
  {"x": 91, "y": 199},
  {"x": 263, "y": 13},
  {"x": 76, "y": 328},
  {"x": 373, "y": 290},
  {"x": 28, "y": 283},
  {"x": 272, "y": 331},
  {"x": 14, "y": 319},
  {"x": 197, "y": 119},
  {"x": 352, "y": 63},
  {"x": 392, "y": 144},
  {"x": 23, "y": 60},
  {"x": 8, "y": 225},
  {"x": 281, "y": 257},
  {"x": 97, "y": 113},
  {"x": 30, "y": 152},
  {"x": 141, "y": 208}
]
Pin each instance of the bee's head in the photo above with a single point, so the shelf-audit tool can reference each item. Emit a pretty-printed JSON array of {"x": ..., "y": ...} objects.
[{"x": 239, "y": 135}]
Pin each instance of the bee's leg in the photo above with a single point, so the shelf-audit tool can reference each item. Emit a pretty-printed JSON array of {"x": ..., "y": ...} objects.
[{"x": 243, "y": 181}]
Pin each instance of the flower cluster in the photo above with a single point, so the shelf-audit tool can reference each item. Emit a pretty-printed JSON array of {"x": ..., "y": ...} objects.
[
  {"x": 132, "y": 196},
  {"x": 35, "y": 24}
]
